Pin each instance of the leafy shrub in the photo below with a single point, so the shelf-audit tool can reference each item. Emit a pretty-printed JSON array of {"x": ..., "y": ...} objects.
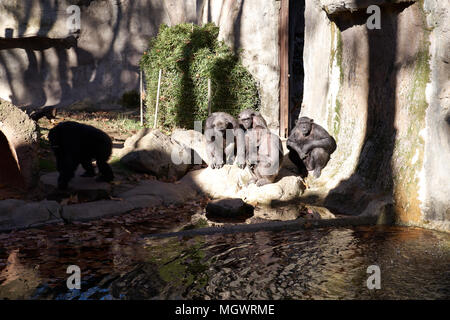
[{"x": 189, "y": 55}]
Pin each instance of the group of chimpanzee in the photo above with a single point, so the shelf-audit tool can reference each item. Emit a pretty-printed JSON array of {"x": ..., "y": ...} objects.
[
  {"x": 246, "y": 141},
  {"x": 257, "y": 147}
]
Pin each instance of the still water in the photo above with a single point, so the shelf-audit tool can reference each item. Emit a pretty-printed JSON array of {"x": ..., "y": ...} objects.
[{"x": 313, "y": 264}]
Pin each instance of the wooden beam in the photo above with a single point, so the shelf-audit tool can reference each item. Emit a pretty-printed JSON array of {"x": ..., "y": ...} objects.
[{"x": 283, "y": 30}]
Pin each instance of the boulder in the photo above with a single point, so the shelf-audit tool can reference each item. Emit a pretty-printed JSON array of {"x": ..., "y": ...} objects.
[
  {"x": 169, "y": 193},
  {"x": 292, "y": 211},
  {"x": 334, "y": 7},
  {"x": 319, "y": 212},
  {"x": 21, "y": 214},
  {"x": 231, "y": 182},
  {"x": 104, "y": 208},
  {"x": 153, "y": 152},
  {"x": 18, "y": 147},
  {"x": 216, "y": 183},
  {"x": 228, "y": 209},
  {"x": 193, "y": 140}
]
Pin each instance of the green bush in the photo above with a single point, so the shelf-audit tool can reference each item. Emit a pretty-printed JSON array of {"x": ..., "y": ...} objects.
[{"x": 189, "y": 55}]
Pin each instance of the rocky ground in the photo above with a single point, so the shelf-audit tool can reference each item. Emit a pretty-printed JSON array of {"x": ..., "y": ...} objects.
[{"x": 146, "y": 176}]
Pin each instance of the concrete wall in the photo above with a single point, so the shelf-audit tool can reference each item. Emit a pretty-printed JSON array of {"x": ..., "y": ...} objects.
[
  {"x": 103, "y": 62},
  {"x": 383, "y": 94}
]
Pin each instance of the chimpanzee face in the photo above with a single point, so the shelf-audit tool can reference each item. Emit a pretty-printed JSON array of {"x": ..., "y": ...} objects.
[
  {"x": 247, "y": 122},
  {"x": 220, "y": 126},
  {"x": 305, "y": 128}
]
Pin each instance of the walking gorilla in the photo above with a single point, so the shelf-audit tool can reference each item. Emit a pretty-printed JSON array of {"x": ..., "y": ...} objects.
[
  {"x": 223, "y": 139},
  {"x": 74, "y": 143},
  {"x": 310, "y": 146}
]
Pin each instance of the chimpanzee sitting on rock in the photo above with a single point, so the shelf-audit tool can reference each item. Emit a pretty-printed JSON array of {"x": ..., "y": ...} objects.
[
  {"x": 223, "y": 139},
  {"x": 264, "y": 153},
  {"x": 310, "y": 146},
  {"x": 74, "y": 143},
  {"x": 263, "y": 149}
]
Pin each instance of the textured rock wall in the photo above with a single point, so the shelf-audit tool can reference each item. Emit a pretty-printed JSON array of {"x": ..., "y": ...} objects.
[
  {"x": 383, "y": 94},
  {"x": 104, "y": 61},
  {"x": 21, "y": 135}
]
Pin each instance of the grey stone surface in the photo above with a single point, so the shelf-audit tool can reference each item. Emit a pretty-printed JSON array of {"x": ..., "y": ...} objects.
[
  {"x": 17, "y": 214},
  {"x": 169, "y": 193},
  {"x": 94, "y": 210},
  {"x": 153, "y": 152},
  {"x": 434, "y": 192},
  {"x": 401, "y": 148},
  {"x": 144, "y": 201},
  {"x": 104, "y": 208}
]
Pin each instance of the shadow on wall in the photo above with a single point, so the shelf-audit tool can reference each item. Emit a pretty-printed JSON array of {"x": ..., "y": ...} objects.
[
  {"x": 373, "y": 176},
  {"x": 63, "y": 71}
]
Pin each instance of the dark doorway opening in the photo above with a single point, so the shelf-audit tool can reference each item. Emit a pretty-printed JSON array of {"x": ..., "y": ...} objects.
[{"x": 296, "y": 70}]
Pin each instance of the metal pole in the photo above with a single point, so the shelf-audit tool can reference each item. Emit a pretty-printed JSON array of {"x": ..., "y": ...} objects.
[
  {"x": 157, "y": 98},
  {"x": 140, "y": 95},
  {"x": 209, "y": 96}
]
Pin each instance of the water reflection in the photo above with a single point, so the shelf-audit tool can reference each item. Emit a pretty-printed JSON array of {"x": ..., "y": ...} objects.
[{"x": 312, "y": 264}]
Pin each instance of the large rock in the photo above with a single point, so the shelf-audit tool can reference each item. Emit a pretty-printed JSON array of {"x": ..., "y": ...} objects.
[
  {"x": 231, "y": 182},
  {"x": 98, "y": 209},
  {"x": 228, "y": 209},
  {"x": 169, "y": 193},
  {"x": 293, "y": 211},
  {"x": 20, "y": 214},
  {"x": 18, "y": 147},
  {"x": 193, "y": 140},
  {"x": 153, "y": 152},
  {"x": 333, "y": 7}
]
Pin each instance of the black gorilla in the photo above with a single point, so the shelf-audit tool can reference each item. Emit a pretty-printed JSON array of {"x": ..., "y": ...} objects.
[
  {"x": 310, "y": 146},
  {"x": 223, "y": 138},
  {"x": 74, "y": 143}
]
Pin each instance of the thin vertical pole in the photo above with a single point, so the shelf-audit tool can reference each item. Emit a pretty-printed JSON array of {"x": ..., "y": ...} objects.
[
  {"x": 157, "y": 98},
  {"x": 140, "y": 95},
  {"x": 284, "y": 68},
  {"x": 209, "y": 96}
]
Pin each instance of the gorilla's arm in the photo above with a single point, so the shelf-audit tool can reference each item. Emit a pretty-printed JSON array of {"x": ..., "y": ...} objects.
[
  {"x": 320, "y": 139},
  {"x": 270, "y": 150},
  {"x": 240, "y": 139},
  {"x": 240, "y": 142},
  {"x": 209, "y": 128},
  {"x": 295, "y": 145},
  {"x": 258, "y": 121}
]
